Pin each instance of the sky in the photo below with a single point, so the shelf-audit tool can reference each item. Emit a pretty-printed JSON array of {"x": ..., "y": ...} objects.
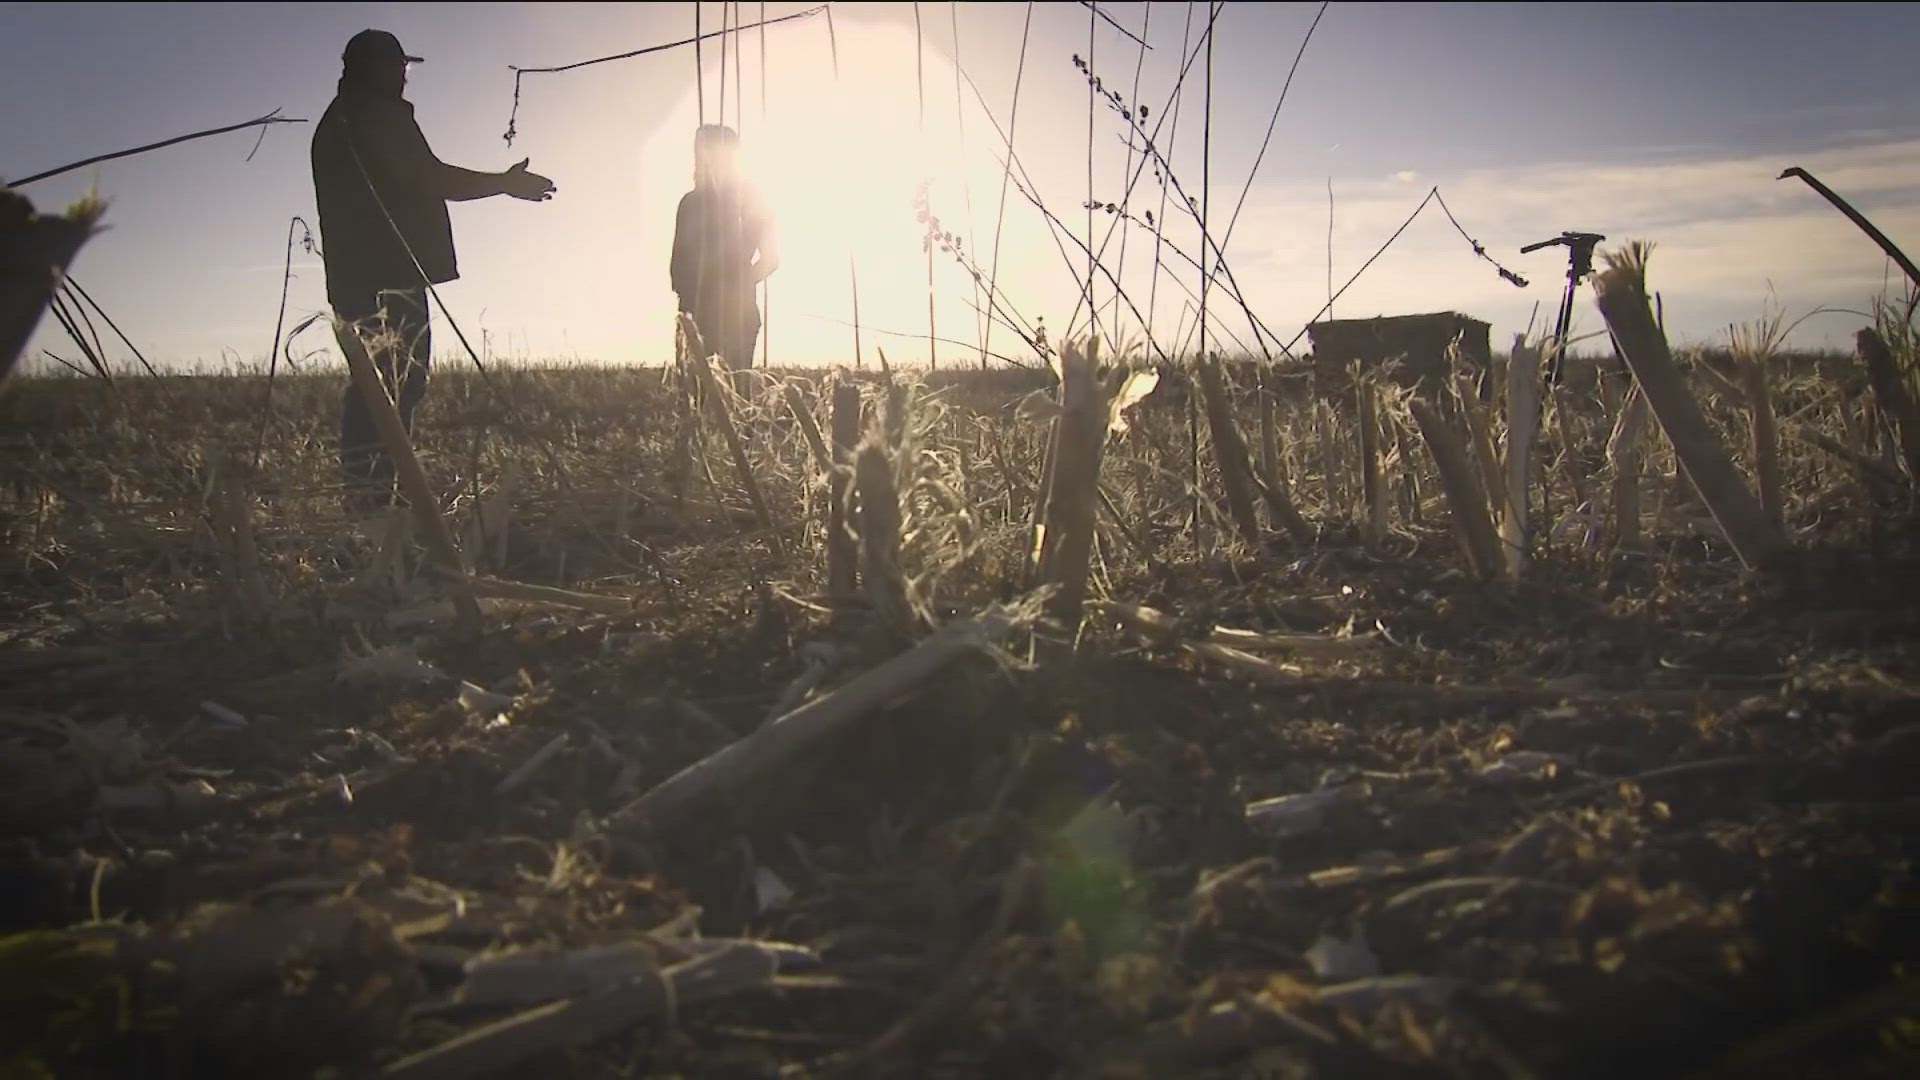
[{"x": 1659, "y": 122}]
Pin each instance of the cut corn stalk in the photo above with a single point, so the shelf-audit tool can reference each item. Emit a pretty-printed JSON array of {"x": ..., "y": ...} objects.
[{"x": 1623, "y": 302}]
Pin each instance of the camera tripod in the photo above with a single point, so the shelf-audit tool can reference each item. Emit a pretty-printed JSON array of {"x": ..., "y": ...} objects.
[{"x": 1579, "y": 247}]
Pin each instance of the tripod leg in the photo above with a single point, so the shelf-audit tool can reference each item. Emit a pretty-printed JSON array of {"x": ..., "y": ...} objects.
[
  {"x": 1553, "y": 403},
  {"x": 1561, "y": 326}
]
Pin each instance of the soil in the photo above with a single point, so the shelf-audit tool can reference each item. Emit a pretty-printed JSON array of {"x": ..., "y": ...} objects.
[{"x": 1646, "y": 815}]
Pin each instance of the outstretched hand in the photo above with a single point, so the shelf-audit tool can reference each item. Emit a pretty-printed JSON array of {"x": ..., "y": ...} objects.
[{"x": 530, "y": 186}]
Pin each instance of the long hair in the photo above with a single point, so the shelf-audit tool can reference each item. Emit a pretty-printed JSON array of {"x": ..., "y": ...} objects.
[{"x": 716, "y": 149}]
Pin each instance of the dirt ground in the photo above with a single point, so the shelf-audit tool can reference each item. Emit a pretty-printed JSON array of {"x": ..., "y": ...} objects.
[{"x": 1647, "y": 815}]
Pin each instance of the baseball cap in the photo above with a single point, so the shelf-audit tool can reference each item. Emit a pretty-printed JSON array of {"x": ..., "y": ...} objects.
[{"x": 374, "y": 46}]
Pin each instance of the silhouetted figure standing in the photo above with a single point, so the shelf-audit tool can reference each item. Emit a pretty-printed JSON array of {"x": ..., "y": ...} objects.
[
  {"x": 723, "y": 246},
  {"x": 385, "y": 235}
]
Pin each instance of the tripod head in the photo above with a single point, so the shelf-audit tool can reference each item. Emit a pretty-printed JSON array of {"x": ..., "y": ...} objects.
[{"x": 1579, "y": 247}]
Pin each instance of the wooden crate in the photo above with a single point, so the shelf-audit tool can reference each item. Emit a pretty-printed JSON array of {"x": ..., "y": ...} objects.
[{"x": 1402, "y": 350}]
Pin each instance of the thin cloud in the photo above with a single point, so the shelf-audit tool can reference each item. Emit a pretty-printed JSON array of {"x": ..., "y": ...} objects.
[{"x": 1726, "y": 231}]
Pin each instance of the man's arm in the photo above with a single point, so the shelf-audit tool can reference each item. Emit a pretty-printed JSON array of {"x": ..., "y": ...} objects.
[
  {"x": 461, "y": 185},
  {"x": 456, "y": 184},
  {"x": 405, "y": 156}
]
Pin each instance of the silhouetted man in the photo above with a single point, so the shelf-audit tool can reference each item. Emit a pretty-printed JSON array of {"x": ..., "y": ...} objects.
[
  {"x": 723, "y": 246},
  {"x": 383, "y": 197}
]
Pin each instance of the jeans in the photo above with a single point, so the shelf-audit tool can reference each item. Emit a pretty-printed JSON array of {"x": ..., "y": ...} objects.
[
  {"x": 394, "y": 324},
  {"x": 735, "y": 345},
  {"x": 730, "y": 337}
]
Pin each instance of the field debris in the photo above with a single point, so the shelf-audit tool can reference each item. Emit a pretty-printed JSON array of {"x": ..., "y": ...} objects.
[
  {"x": 387, "y": 664},
  {"x": 480, "y": 702},
  {"x": 1294, "y": 815},
  {"x": 519, "y": 777},
  {"x": 876, "y": 801},
  {"x": 1523, "y": 765}
]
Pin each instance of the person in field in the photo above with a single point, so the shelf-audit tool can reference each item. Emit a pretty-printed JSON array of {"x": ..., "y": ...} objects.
[
  {"x": 723, "y": 246},
  {"x": 385, "y": 236}
]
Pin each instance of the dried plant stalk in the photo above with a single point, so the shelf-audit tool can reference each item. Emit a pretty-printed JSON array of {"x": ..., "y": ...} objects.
[
  {"x": 1278, "y": 492},
  {"x": 544, "y": 594},
  {"x": 1229, "y": 450},
  {"x": 722, "y": 415},
  {"x": 1466, "y": 503},
  {"x": 1480, "y": 437},
  {"x": 395, "y": 531},
  {"x": 413, "y": 480},
  {"x": 1373, "y": 486},
  {"x": 1729, "y": 392},
  {"x": 1409, "y": 476},
  {"x": 35, "y": 250},
  {"x": 1623, "y": 303},
  {"x": 1890, "y": 392},
  {"x": 1763, "y": 440},
  {"x": 494, "y": 515},
  {"x": 1572, "y": 463},
  {"x": 1151, "y": 624},
  {"x": 680, "y": 464},
  {"x": 1624, "y": 458},
  {"x": 1523, "y": 423},
  {"x": 823, "y": 459},
  {"x": 1867, "y": 466},
  {"x": 842, "y": 550},
  {"x": 734, "y": 769},
  {"x": 886, "y": 583},
  {"x": 1067, "y": 538},
  {"x": 236, "y": 511},
  {"x": 1332, "y": 489},
  {"x": 1037, "y": 514},
  {"x": 809, "y": 428},
  {"x": 573, "y": 1021},
  {"x": 219, "y": 532},
  {"x": 1160, "y": 626}
]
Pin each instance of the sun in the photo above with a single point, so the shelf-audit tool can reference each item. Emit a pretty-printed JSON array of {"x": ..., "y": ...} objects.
[
  {"x": 841, "y": 181},
  {"x": 838, "y": 161}
]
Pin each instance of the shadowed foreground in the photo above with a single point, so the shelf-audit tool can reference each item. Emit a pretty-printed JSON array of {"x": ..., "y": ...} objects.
[{"x": 264, "y": 810}]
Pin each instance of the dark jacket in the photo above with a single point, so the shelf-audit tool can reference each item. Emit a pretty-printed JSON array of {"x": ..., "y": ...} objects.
[
  {"x": 716, "y": 234},
  {"x": 368, "y": 142}
]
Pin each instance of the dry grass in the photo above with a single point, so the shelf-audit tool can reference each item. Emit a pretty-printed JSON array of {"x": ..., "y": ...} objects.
[
  {"x": 117, "y": 534},
  {"x": 111, "y": 490}
]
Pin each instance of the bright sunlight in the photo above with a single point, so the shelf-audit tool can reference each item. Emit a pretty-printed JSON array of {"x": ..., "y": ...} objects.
[{"x": 839, "y": 161}]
